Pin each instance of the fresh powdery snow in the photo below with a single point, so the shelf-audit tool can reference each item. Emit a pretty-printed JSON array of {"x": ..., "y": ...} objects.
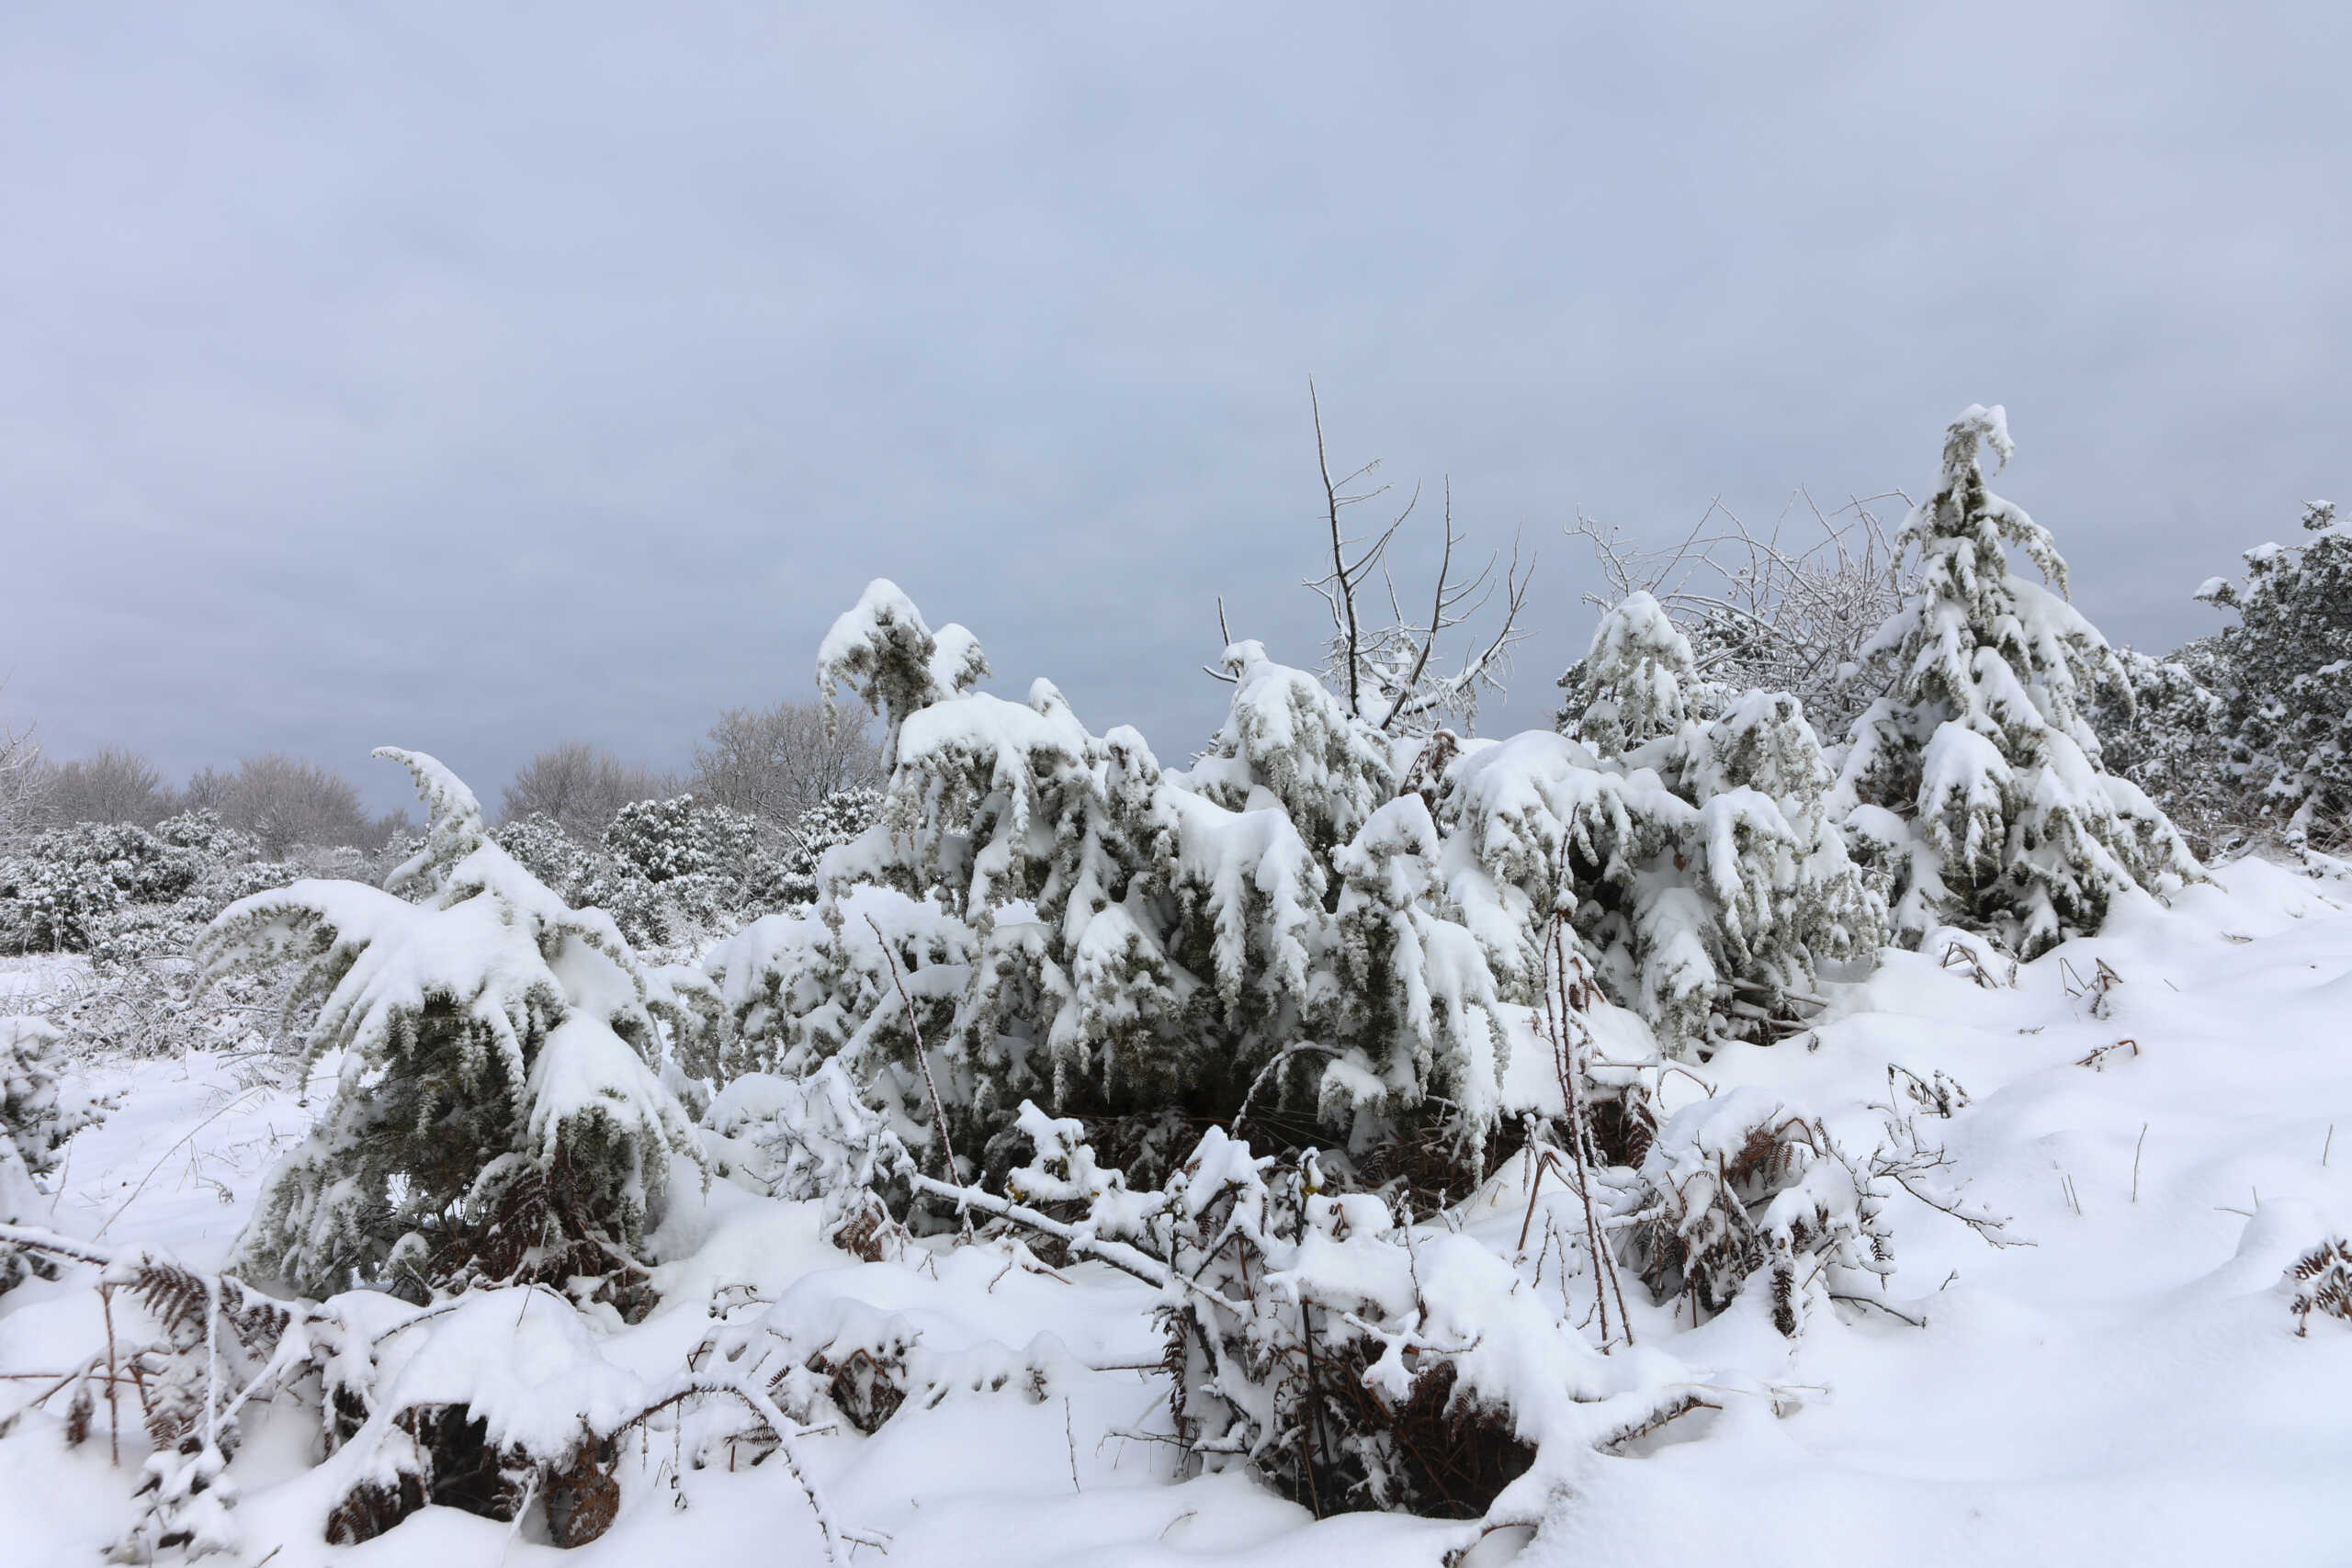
[{"x": 2116, "y": 1377}]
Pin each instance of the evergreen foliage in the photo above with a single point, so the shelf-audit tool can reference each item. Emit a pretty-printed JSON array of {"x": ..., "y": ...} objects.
[
  {"x": 2284, "y": 677},
  {"x": 38, "y": 1114},
  {"x": 839, "y": 818},
  {"x": 500, "y": 1115},
  {"x": 1331, "y": 930},
  {"x": 1976, "y": 783},
  {"x": 1637, "y": 683}
]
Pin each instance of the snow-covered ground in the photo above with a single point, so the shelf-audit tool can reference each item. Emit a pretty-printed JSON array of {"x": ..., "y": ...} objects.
[{"x": 2128, "y": 1388}]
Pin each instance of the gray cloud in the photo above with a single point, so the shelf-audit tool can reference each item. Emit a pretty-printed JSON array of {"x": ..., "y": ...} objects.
[{"x": 470, "y": 378}]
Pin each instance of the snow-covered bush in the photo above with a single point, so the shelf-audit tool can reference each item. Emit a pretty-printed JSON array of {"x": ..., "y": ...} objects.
[
  {"x": 542, "y": 846},
  {"x": 2167, "y": 731},
  {"x": 500, "y": 1116},
  {"x": 495, "y": 1402},
  {"x": 2285, "y": 677},
  {"x": 1044, "y": 913},
  {"x": 1355, "y": 1359},
  {"x": 789, "y": 877},
  {"x": 134, "y": 900},
  {"x": 59, "y": 890},
  {"x": 1638, "y": 681},
  {"x": 1316, "y": 924},
  {"x": 669, "y": 872},
  {"x": 1707, "y": 879},
  {"x": 37, "y": 1113},
  {"x": 1975, "y": 783},
  {"x": 662, "y": 841},
  {"x": 1739, "y": 1185}
]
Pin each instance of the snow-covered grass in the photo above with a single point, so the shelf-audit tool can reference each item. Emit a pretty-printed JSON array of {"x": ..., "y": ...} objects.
[{"x": 2130, "y": 1387}]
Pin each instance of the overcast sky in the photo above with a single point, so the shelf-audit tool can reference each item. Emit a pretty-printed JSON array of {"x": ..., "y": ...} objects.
[{"x": 474, "y": 376}]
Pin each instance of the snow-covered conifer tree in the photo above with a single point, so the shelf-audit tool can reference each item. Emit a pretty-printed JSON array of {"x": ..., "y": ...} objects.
[
  {"x": 1976, "y": 780},
  {"x": 1287, "y": 734},
  {"x": 1636, "y": 683},
  {"x": 2285, "y": 670},
  {"x": 1415, "y": 1005},
  {"x": 1788, "y": 896},
  {"x": 499, "y": 1114}
]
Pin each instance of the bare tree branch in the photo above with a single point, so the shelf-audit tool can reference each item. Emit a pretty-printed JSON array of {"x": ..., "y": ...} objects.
[
  {"x": 1762, "y": 613},
  {"x": 1386, "y": 671}
]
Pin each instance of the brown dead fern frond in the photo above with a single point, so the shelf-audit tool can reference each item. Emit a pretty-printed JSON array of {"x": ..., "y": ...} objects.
[{"x": 2322, "y": 1278}]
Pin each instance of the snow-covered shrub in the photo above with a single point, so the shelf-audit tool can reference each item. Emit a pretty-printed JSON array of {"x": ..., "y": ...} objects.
[
  {"x": 61, "y": 887},
  {"x": 501, "y": 1399},
  {"x": 810, "y": 1138},
  {"x": 1707, "y": 880},
  {"x": 695, "y": 857},
  {"x": 541, "y": 847},
  {"x": 669, "y": 872},
  {"x": 1637, "y": 682},
  {"x": 1319, "y": 924},
  {"x": 1740, "y": 1185},
  {"x": 499, "y": 1116},
  {"x": 789, "y": 878},
  {"x": 2166, "y": 732},
  {"x": 1044, "y": 913},
  {"x": 491, "y": 1402},
  {"x": 661, "y": 839},
  {"x": 800, "y": 990},
  {"x": 38, "y": 1114},
  {"x": 1354, "y": 1359},
  {"x": 1976, "y": 781},
  {"x": 2285, "y": 676},
  {"x": 135, "y": 901}
]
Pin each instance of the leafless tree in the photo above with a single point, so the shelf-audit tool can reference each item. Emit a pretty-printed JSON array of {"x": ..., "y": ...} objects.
[
  {"x": 23, "y": 781},
  {"x": 1778, "y": 609},
  {"x": 775, "y": 762},
  {"x": 581, "y": 787},
  {"x": 285, "y": 802},
  {"x": 115, "y": 785},
  {"x": 1386, "y": 667}
]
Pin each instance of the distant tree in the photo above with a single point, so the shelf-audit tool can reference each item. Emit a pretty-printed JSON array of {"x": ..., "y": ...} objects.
[
  {"x": 580, "y": 786},
  {"x": 776, "y": 763},
  {"x": 23, "y": 782},
  {"x": 284, "y": 802},
  {"x": 115, "y": 785}
]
